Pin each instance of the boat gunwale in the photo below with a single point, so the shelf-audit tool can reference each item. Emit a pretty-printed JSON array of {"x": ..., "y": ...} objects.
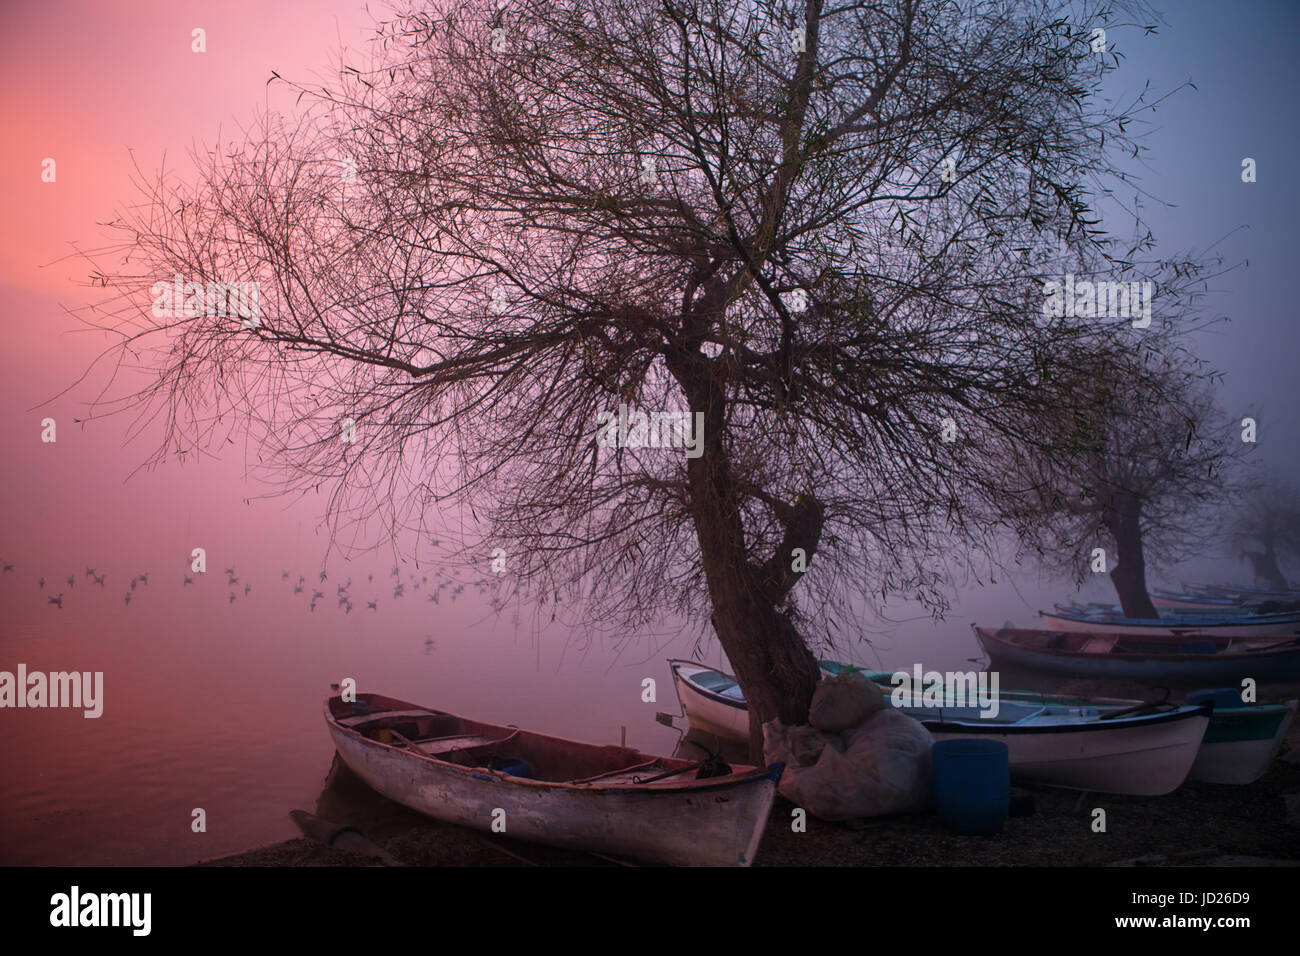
[
  {"x": 1099, "y": 723},
  {"x": 940, "y": 725},
  {"x": 747, "y": 778},
  {"x": 1177, "y": 628},
  {"x": 1287, "y": 647},
  {"x": 1067, "y": 700},
  {"x": 1237, "y": 711}
]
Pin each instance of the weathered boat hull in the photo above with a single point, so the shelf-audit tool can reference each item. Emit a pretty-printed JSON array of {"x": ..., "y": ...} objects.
[
  {"x": 1176, "y": 602},
  {"x": 1153, "y": 665},
  {"x": 1241, "y": 592},
  {"x": 1181, "y": 620},
  {"x": 1147, "y": 759},
  {"x": 1241, "y": 743},
  {"x": 1278, "y": 626},
  {"x": 1146, "y": 755},
  {"x": 711, "y": 822}
]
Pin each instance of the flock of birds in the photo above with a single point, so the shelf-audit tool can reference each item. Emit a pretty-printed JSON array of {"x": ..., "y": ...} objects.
[
  {"x": 7, "y": 567},
  {"x": 443, "y": 581}
]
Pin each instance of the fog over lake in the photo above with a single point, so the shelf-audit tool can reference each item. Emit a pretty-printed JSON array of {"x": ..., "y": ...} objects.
[{"x": 215, "y": 703}]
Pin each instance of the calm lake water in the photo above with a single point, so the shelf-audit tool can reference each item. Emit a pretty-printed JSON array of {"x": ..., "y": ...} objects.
[{"x": 214, "y": 705}]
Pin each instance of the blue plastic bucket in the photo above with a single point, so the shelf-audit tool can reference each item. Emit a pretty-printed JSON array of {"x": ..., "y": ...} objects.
[{"x": 972, "y": 784}]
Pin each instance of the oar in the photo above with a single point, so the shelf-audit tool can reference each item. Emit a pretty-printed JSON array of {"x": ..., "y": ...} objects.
[
  {"x": 1138, "y": 708},
  {"x": 716, "y": 766},
  {"x": 671, "y": 773},
  {"x": 405, "y": 742}
]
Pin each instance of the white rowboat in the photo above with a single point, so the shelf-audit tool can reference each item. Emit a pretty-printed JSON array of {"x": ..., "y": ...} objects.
[
  {"x": 611, "y": 800},
  {"x": 1180, "y": 626},
  {"x": 1146, "y": 753}
]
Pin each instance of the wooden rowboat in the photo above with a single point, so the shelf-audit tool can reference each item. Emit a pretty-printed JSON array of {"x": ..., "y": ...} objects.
[
  {"x": 1147, "y": 752},
  {"x": 1080, "y": 620},
  {"x": 611, "y": 800},
  {"x": 1197, "y": 660},
  {"x": 1242, "y": 741},
  {"x": 1239, "y": 744},
  {"x": 1254, "y": 595},
  {"x": 1167, "y": 609},
  {"x": 1184, "y": 620},
  {"x": 1180, "y": 601},
  {"x": 711, "y": 700}
]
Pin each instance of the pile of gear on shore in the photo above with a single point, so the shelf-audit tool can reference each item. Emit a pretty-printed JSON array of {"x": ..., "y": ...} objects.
[{"x": 856, "y": 757}]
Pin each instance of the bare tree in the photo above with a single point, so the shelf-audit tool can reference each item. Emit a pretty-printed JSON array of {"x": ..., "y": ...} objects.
[
  {"x": 822, "y": 228},
  {"x": 1146, "y": 485},
  {"x": 1269, "y": 520}
]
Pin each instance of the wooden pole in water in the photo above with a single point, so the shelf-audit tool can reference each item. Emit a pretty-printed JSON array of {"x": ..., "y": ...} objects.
[{"x": 624, "y": 729}]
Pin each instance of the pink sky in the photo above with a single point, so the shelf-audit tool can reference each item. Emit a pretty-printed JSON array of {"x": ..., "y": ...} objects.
[{"x": 87, "y": 81}]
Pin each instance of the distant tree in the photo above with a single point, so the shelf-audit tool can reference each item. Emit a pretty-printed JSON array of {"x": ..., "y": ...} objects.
[
  {"x": 822, "y": 228},
  {"x": 1267, "y": 529},
  {"x": 1146, "y": 484}
]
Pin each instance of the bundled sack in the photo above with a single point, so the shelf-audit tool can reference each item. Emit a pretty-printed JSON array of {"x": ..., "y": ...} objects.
[
  {"x": 844, "y": 701},
  {"x": 884, "y": 768},
  {"x": 807, "y": 743}
]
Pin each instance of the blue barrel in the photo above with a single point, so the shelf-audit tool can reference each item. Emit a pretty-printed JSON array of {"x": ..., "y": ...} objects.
[
  {"x": 972, "y": 784},
  {"x": 1220, "y": 697}
]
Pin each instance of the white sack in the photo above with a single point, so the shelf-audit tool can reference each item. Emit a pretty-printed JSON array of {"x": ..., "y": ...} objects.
[
  {"x": 844, "y": 701},
  {"x": 884, "y": 769}
]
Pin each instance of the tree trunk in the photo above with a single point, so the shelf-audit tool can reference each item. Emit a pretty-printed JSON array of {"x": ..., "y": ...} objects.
[
  {"x": 1266, "y": 568},
  {"x": 776, "y": 671},
  {"x": 1130, "y": 573}
]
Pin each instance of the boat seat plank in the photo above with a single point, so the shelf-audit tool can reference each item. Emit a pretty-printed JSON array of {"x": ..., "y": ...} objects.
[
  {"x": 382, "y": 715},
  {"x": 475, "y": 747},
  {"x": 1099, "y": 644},
  {"x": 442, "y": 745}
]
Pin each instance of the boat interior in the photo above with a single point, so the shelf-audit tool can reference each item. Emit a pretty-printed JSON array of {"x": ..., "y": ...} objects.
[
  {"x": 718, "y": 683},
  {"x": 507, "y": 750},
  {"x": 1009, "y": 712}
]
